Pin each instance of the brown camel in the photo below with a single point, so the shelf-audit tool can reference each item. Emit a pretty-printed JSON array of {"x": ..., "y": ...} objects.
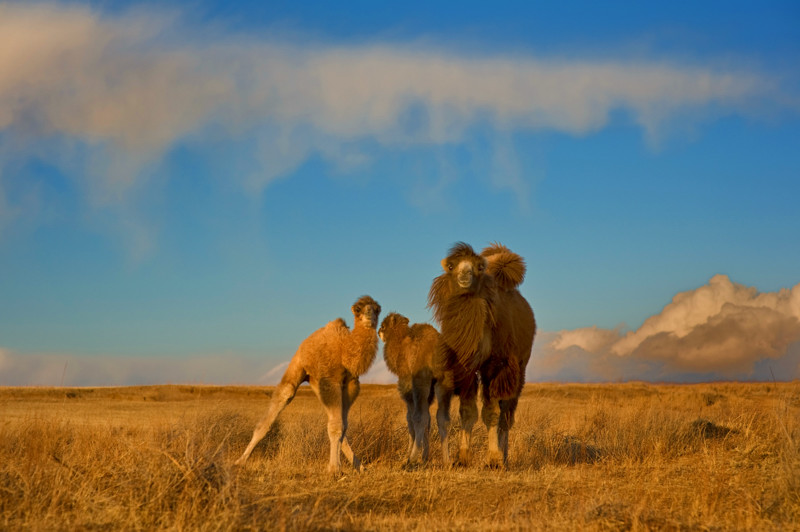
[
  {"x": 487, "y": 331},
  {"x": 409, "y": 353},
  {"x": 330, "y": 360}
]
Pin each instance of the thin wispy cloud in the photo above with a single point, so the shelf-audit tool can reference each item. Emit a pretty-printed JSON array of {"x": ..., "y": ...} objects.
[
  {"x": 69, "y": 369},
  {"x": 273, "y": 376},
  {"x": 109, "y": 95}
]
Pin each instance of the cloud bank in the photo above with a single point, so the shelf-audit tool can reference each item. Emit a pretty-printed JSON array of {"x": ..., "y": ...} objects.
[
  {"x": 722, "y": 330},
  {"x": 719, "y": 331},
  {"x": 66, "y": 369},
  {"x": 105, "y": 97}
]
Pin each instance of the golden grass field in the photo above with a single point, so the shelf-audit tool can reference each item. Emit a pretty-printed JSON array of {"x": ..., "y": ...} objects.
[{"x": 582, "y": 457}]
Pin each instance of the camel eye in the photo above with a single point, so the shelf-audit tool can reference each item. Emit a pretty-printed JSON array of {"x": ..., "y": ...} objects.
[
  {"x": 480, "y": 267},
  {"x": 450, "y": 266},
  {"x": 357, "y": 310}
]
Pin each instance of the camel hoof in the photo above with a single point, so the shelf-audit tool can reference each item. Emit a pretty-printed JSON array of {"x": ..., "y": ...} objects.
[
  {"x": 495, "y": 465},
  {"x": 460, "y": 462},
  {"x": 463, "y": 460},
  {"x": 495, "y": 461},
  {"x": 412, "y": 466}
]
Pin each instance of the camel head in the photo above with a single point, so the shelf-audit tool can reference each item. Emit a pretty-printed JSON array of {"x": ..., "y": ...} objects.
[
  {"x": 391, "y": 322},
  {"x": 465, "y": 269},
  {"x": 462, "y": 299},
  {"x": 366, "y": 311}
]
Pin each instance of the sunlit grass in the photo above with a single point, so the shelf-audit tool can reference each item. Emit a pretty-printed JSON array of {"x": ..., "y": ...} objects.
[{"x": 582, "y": 457}]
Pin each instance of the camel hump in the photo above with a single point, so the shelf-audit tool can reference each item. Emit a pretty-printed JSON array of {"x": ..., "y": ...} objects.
[
  {"x": 338, "y": 325},
  {"x": 421, "y": 330},
  {"x": 507, "y": 267}
]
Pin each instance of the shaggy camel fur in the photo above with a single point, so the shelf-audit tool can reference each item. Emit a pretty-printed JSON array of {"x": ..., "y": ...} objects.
[
  {"x": 487, "y": 331},
  {"x": 330, "y": 360},
  {"x": 409, "y": 352}
]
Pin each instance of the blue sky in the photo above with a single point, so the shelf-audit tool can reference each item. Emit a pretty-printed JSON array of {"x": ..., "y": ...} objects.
[{"x": 203, "y": 185}]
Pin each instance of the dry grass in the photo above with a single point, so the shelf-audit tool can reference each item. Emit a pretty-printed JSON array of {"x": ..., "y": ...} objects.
[{"x": 582, "y": 457}]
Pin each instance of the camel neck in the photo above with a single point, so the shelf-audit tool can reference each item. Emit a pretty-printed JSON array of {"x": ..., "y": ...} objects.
[
  {"x": 362, "y": 347},
  {"x": 392, "y": 350}
]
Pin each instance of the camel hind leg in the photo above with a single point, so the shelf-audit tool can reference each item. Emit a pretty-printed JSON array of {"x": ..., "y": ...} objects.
[
  {"x": 282, "y": 396},
  {"x": 507, "y": 409}
]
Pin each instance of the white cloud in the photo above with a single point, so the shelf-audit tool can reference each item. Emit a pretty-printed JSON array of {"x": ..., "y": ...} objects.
[
  {"x": 719, "y": 330},
  {"x": 590, "y": 339}
]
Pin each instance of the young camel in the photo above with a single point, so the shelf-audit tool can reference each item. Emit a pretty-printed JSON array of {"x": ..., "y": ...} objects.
[
  {"x": 408, "y": 352},
  {"x": 330, "y": 360}
]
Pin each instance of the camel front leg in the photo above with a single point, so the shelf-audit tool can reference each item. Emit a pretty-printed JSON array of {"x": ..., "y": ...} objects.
[
  {"x": 335, "y": 436},
  {"x": 468, "y": 410},
  {"x": 423, "y": 397},
  {"x": 495, "y": 457},
  {"x": 421, "y": 417},
  {"x": 408, "y": 398},
  {"x": 332, "y": 395},
  {"x": 351, "y": 457},
  {"x": 443, "y": 398},
  {"x": 352, "y": 390}
]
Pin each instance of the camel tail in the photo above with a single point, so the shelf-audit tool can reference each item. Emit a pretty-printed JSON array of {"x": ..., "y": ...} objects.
[{"x": 505, "y": 266}]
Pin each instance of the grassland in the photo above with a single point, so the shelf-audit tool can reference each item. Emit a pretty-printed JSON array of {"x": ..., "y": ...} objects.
[{"x": 582, "y": 457}]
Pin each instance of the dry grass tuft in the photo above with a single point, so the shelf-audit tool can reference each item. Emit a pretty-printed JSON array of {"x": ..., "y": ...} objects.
[
  {"x": 582, "y": 457},
  {"x": 704, "y": 428}
]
